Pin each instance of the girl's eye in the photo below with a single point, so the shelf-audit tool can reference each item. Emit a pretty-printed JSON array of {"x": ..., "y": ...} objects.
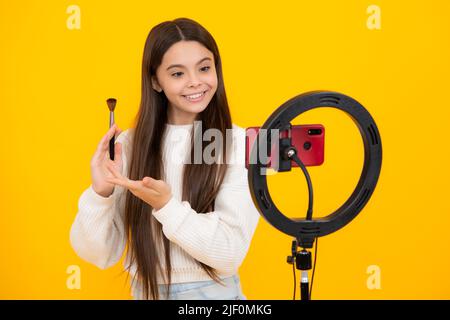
[{"x": 178, "y": 74}]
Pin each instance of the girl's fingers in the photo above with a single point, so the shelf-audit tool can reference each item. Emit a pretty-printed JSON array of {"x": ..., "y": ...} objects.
[
  {"x": 118, "y": 152},
  {"x": 107, "y": 136},
  {"x": 103, "y": 146},
  {"x": 124, "y": 182},
  {"x": 120, "y": 179},
  {"x": 104, "y": 143},
  {"x": 150, "y": 183},
  {"x": 152, "y": 192},
  {"x": 101, "y": 150},
  {"x": 114, "y": 181},
  {"x": 155, "y": 184},
  {"x": 147, "y": 181},
  {"x": 148, "y": 189},
  {"x": 134, "y": 185},
  {"x": 113, "y": 171},
  {"x": 110, "y": 166},
  {"x": 145, "y": 189}
]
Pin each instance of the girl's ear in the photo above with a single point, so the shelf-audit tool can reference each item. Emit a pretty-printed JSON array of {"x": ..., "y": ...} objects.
[{"x": 155, "y": 84}]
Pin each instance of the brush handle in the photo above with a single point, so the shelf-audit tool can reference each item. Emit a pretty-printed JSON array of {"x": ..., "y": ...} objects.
[{"x": 111, "y": 142}]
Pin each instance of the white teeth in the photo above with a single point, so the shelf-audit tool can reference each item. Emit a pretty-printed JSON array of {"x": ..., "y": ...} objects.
[{"x": 195, "y": 96}]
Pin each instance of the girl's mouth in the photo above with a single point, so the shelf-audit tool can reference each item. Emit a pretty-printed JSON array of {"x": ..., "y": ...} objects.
[{"x": 195, "y": 97}]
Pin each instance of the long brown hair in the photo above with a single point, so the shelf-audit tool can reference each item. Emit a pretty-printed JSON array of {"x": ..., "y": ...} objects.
[{"x": 201, "y": 182}]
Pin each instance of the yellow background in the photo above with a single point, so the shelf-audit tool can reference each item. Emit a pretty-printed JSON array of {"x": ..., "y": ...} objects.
[{"x": 54, "y": 83}]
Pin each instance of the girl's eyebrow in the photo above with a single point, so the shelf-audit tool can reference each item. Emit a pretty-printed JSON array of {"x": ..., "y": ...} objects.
[{"x": 181, "y": 66}]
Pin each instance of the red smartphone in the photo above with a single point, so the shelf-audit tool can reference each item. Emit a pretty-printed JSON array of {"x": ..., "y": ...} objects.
[{"x": 308, "y": 139}]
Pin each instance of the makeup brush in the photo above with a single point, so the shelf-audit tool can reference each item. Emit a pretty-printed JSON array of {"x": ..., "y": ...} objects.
[{"x": 111, "y": 106}]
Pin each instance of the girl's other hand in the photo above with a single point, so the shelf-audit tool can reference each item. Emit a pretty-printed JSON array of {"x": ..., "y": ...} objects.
[
  {"x": 99, "y": 171},
  {"x": 154, "y": 192}
]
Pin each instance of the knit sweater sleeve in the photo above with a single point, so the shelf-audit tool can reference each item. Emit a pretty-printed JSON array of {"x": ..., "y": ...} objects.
[
  {"x": 97, "y": 233},
  {"x": 220, "y": 238}
]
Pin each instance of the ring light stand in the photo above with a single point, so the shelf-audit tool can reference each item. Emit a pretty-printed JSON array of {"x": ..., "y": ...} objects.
[{"x": 307, "y": 230}]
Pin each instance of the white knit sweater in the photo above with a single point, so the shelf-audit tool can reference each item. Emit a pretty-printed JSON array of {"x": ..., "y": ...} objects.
[{"x": 220, "y": 238}]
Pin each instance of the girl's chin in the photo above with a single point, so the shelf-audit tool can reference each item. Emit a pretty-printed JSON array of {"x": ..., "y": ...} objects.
[{"x": 196, "y": 109}]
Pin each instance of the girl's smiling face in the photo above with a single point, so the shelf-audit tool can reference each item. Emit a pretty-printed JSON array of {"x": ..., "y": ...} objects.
[{"x": 187, "y": 75}]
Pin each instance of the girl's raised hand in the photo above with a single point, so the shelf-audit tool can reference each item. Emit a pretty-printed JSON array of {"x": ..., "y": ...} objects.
[
  {"x": 154, "y": 192},
  {"x": 99, "y": 171}
]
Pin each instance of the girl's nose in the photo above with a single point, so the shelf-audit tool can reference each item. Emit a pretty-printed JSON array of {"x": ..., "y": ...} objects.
[{"x": 194, "y": 81}]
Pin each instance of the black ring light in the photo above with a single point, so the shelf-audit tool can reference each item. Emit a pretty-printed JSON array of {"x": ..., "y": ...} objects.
[{"x": 307, "y": 230}]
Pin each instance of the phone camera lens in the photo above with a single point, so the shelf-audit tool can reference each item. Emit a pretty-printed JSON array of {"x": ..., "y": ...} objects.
[
  {"x": 314, "y": 132},
  {"x": 307, "y": 145}
]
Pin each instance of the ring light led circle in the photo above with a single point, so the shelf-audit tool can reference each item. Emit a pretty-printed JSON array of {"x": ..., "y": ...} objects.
[{"x": 300, "y": 227}]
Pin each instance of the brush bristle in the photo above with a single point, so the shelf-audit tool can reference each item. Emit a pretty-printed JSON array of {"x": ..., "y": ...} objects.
[{"x": 111, "y": 104}]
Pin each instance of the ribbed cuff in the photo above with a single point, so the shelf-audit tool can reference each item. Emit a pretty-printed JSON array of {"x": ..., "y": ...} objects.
[
  {"x": 94, "y": 199},
  {"x": 93, "y": 207}
]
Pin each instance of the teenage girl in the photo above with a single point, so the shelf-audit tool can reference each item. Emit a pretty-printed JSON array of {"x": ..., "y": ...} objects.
[{"x": 187, "y": 222}]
